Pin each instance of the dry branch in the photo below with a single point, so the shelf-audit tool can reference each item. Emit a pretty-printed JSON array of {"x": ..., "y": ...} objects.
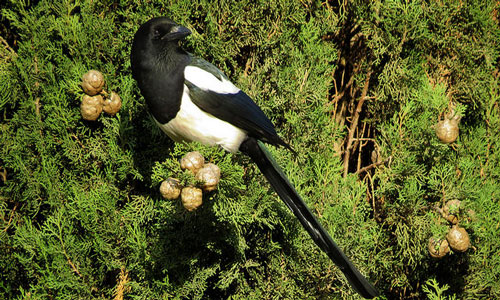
[{"x": 354, "y": 123}]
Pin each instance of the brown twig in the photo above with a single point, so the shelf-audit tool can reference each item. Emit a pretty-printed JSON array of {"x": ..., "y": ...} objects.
[
  {"x": 364, "y": 139},
  {"x": 3, "y": 174},
  {"x": 78, "y": 141},
  {"x": 8, "y": 47},
  {"x": 66, "y": 255},
  {"x": 339, "y": 95},
  {"x": 371, "y": 194},
  {"x": 70, "y": 262},
  {"x": 354, "y": 123},
  {"x": 248, "y": 66},
  {"x": 361, "y": 145},
  {"x": 304, "y": 79},
  {"x": 72, "y": 265},
  {"x": 37, "y": 107},
  {"x": 121, "y": 287},
  {"x": 11, "y": 217},
  {"x": 364, "y": 169}
]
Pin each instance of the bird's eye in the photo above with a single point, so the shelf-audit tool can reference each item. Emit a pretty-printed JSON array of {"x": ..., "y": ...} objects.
[{"x": 156, "y": 33}]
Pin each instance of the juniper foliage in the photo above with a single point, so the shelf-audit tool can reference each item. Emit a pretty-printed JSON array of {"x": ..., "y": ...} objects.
[{"x": 80, "y": 211}]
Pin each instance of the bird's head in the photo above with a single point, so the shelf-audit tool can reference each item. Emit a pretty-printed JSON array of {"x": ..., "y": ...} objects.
[
  {"x": 162, "y": 30},
  {"x": 158, "y": 35}
]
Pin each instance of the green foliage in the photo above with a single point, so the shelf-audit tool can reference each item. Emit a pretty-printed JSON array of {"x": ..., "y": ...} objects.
[
  {"x": 80, "y": 211},
  {"x": 434, "y": 291}
]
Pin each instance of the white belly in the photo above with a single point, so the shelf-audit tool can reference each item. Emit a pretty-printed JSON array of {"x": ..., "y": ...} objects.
[{"x": 193, "y": 124}]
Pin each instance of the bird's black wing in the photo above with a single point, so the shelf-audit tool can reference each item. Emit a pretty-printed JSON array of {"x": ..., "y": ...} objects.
[{"x": 235, "y": 108}]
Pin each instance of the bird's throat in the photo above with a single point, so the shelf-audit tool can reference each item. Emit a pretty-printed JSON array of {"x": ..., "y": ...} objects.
[{"x": 162, "y": 86}]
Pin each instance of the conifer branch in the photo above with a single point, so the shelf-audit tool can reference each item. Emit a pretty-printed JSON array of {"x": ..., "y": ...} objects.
[
  {"x": 361, "y": 144},
  {"x": 8, "y": 47},
  {"x": 339, "y": 95},
  {"x": 364, "y": 169},
  {"x": 354, "y": 123},
  {"x": 78, "y": 141},
  {"x": 248, "y": 67},
  {"x": 121, "y": 285},
  {"x": 3, "y": 174},
  {"x": 75, "y": 269},
  {"x": 11, "y": 217},
  {"x": 371, "y": 195},
  {"x": 70, "y": 262},
  {"x": 37, "y": 108}
]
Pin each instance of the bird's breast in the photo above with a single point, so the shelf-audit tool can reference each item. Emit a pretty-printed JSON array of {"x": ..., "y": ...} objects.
[{"x": 193, "y": 124}]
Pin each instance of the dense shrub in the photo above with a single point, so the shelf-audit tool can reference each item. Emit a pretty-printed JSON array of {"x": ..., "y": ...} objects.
[{"x": 355, "y": 88}]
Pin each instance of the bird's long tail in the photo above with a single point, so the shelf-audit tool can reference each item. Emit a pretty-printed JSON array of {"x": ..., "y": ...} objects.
[{"x": 261, "y": 156}]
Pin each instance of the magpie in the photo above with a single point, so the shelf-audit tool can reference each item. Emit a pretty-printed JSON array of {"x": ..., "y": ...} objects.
[{"x": 192, "y": 100}]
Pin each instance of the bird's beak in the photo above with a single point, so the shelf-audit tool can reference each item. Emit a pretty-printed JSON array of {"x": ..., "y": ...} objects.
[{"x": 176, "y": 33}]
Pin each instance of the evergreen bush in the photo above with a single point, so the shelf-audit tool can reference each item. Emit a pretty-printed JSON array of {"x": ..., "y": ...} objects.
[{"x": 356, "y": 88}]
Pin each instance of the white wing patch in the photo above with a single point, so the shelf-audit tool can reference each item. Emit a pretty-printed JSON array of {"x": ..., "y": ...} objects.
[
  {"x": 205, "y": 80},
  {"x": 193, "y": 124}
]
